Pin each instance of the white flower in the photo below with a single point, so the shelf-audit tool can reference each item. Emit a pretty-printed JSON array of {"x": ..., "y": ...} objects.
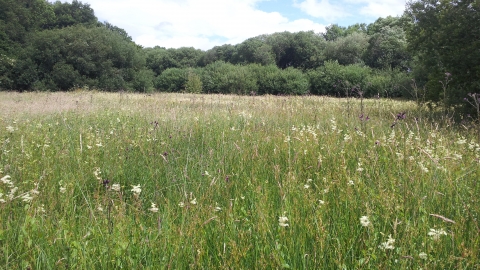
[
  {"x": 63, "y": 190},
  {"x": 321, "y": 202},
  {"x": 462, "y": 141},
  {"x": 116, "y": 187},
  {"x": 364, "y": 221},
  {"x": 153, "y": 208},
  {"x": 136, "y": 189},
  {"x": 11, "y": 194},
  {"x": 10, "y": 129},
  {"x": 389, "y": 244},
  {"x": 181, "y": 204},
  {"x": 194, "y": 201},
  {"x": 306, "y": 186},
  {"x": 100, "y": 208},
  {"x": 27, "y": 197},
  {"x": 435, "y": 234},
  {"x": 97, "y": 173},
  {"x": 351, "y": 183},
  {"x": 217, "y": 208},
  {"x": 6, "y": 180},
  {"x": 282, "y": 221},
  {"x": 423, "y": 255}
]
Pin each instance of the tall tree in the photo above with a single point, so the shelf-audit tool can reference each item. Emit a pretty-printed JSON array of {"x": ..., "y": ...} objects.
[{"x": 445, "y": 38}]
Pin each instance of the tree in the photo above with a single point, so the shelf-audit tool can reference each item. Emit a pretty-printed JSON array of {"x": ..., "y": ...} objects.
[
  {"x": 76, "y": 55},
  {"x": 347, "y": 50},
  {"x": 387, "y": 49},
  {"x": 444, "y": 37},
  {"x": 68, "y": 14}
]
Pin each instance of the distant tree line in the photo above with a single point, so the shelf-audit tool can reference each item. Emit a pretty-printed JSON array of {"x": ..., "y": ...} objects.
[{"x": 431, "y": 53}]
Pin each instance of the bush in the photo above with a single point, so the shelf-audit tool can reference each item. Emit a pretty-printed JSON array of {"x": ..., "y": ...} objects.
[
  {"x": 171, "y": 80},
  {"x": 143, "y": 81},
  {"x": 335, "y": 80},
  {"x": 194, "y": 82},
  {"x": 221, "y": 77}
]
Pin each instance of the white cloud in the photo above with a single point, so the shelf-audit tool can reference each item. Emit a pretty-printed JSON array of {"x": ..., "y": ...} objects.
[
  {"x": 333, "y": 11},
  {"x": 323, "y": 9},
  {"x": 381, "y": 8},
  {"x": 200, "y": 24}
]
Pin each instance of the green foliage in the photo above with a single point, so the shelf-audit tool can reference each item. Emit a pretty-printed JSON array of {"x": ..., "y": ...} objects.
[
  {"x": 194, "y": 82},
  {"x": 334, "y": 79},
  {"x": 143, "y": 81},
  {"x": 302, "y": 50},
  {"x": 387, "y": 48},
  {"x": 69, "y": 14},
  {"x": 225, "y": 53},
  {"x": 224, "y": 78},
  {"x": 347, "y": 50},
  {"x": 93, "y": 57},
  {"x": 274, "y": 81},
  {"x": 334, "y": 31},
  {"x": 171, "y": 80},
  {"x": 159, "y": 59},
  {"x": 442, "y": 36}
]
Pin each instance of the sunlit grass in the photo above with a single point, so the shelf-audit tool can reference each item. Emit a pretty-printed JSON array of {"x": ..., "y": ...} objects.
[{"x": 96, "y": 180}]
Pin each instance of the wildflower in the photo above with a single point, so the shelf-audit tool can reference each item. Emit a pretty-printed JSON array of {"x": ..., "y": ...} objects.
[
  {"x": 63, "y": 190},
  {"x": 100, "y": 208},
  {"x": 423, "y": 255},
  {"x": 6, "y": 180},
  {"x": 364, "y": 221},
  {"x": 11, "y": 194},
  {"x": 217, "y": 208},
  {"x": 351, "y": 183},
  {"x": 10, "y": 129},
  {"x": 153, "y": 208},
  {"x": 27, "y": 197},
  {"x": 97, "y": 173},
  {"x": 181, "y": 204},
  {"x": 389, "y": 244},
  {"x": 116, "y": 187},
  {"x": 41, "y": 209},
  {"x": 321, "y": 202},
  {"x": 461, "y": 141},
  {"x": 194, "y": 201},
  {"x": 435, "y": 234},
  {"x": 282, "y": 221},
  {"x": 136, "y": 189}
]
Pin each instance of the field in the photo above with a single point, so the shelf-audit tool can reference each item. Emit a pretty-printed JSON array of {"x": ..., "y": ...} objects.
[{"x": 174, "y": 181}]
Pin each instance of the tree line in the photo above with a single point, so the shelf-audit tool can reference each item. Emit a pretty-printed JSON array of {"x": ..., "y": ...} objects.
[{"x": 431, "y": 53}]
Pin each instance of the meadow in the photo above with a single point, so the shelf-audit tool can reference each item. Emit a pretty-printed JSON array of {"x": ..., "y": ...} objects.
[{"x": 95, "y": 180}]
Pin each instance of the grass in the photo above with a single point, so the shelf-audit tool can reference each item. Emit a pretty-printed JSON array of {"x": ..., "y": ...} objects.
[{"x": 233, "y": 182}]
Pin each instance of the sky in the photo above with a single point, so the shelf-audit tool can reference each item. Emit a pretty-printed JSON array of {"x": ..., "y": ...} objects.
[{"x": 203, "y": 24}]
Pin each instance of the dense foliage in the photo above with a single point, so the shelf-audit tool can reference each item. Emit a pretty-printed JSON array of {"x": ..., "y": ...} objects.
[{"x": 63, "y": 46}]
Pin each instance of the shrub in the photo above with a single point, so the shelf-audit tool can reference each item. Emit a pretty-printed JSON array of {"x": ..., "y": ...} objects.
[{"x": 171, "y": 80}]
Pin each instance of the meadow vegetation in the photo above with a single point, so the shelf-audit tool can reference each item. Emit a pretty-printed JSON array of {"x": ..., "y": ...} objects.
[{"x": 118, "y": 180}]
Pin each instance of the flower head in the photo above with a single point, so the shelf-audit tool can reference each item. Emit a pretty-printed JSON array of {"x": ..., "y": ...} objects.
[
  {"x": 364, "y": 221},
  {"x": 153, "y": 208},
  {"x": 136, "y": 189},
  {"x": 116, "y": 187},
  {"x": 389, "y": 244},
  {"x": 283, "y": 221},
  {"x": 10, "y": 129},
  {"x": 435, "y": 234}
]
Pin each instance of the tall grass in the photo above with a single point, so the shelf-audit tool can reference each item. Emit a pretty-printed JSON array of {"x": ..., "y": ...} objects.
[{"x": 209, "y": 181}]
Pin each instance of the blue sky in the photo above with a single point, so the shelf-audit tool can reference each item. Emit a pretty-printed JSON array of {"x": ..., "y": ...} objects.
[{"x": 204, "y": 24}]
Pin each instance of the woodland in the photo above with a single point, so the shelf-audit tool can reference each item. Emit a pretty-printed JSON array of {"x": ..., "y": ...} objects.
[{"x": 430, "y": 54}]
